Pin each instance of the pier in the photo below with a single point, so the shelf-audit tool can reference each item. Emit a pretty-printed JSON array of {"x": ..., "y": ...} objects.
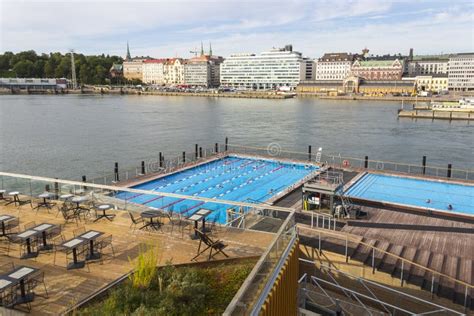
[{"x": 437, "y": 115}]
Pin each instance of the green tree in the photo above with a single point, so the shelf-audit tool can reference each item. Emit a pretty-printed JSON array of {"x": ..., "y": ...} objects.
[{"x": 24, "y": 69}]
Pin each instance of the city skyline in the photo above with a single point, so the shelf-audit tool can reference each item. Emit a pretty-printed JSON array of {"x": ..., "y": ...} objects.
[{"x": 167, "y": 29}]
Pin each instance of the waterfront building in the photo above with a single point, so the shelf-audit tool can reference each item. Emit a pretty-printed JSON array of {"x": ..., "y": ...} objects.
[
  {"x": 309, "y": 68},
  {"x": 173, "y": 71},
  {"x": 133, "y": 69},
  {"x": 116, "y": 71},
  {"x": 267, "y": 70},
  {"x": 334, "y": 66},
  {"x": 153, "y": 71},
  {"x": 428, "y": 65},
  {"x": 433, "y": 83},
  {"x": 203, "y": 71},
  {"x": 391, "y": 69},
  {"x": 461, "y": 72},
  {"x": 33, "y": 83}
]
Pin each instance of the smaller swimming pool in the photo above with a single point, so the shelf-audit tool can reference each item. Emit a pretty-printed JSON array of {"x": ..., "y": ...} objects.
[{"x": 415, "y": 192}]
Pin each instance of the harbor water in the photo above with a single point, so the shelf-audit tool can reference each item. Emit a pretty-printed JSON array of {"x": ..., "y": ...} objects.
[{"x": 72, "y": 135}]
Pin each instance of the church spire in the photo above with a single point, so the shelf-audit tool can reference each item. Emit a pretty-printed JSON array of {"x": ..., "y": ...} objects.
[
  {"x": 210, "y": 49},
  {"x": 129, "y": 57},
  {"x": 202, "y": 49}
]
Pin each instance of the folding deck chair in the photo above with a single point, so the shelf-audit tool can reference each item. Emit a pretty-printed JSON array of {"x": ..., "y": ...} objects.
[{"x": 216, "y": 246}]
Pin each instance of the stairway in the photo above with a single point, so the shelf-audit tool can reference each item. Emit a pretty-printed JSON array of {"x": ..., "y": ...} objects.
[{"x": 456, "y": 267}]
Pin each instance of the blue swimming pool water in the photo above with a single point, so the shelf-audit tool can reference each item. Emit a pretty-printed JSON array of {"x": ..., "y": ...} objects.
[
  {"x": 415, "y": 192},
  {"x": 230, "y": 178}
]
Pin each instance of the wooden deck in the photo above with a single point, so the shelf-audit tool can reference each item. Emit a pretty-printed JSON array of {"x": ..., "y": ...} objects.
[{"x": 67, "y": 287}]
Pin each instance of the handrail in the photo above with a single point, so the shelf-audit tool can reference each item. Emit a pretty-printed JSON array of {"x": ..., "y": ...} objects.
[
  {"x": 247, "y": 282},
  {"x": 354, "y": 238},
  {"x": 140, "y": 191},
  {"x": 354, "y": 158}
]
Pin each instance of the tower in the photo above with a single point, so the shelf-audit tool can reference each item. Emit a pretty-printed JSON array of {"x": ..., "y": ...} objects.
[
  {"x": 210, "y": 49},
  {"x": 73, "y": 71},
  {"x": 202, "y": 50},
  {"x": 129, "y": 57}
]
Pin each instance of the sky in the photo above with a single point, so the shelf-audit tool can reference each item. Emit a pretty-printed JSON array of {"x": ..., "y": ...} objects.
[{"x": 174, "y": 28}]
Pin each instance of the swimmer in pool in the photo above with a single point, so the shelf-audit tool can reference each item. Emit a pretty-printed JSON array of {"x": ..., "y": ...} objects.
[
  {"x": 428, "y": 201},
  {"x": 450, "y": 207}
]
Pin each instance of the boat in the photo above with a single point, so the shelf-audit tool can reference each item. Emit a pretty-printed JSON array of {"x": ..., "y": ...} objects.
[{"x": 465, "y": 104}]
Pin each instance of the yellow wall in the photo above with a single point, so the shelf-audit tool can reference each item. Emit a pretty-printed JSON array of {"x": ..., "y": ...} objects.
[{"x": 283, "y": 297}]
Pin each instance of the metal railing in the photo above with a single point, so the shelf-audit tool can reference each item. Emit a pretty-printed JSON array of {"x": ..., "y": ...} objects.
[
  {"x": 369, "y": 292},
  {"x": 253, "y": 292},
  {"x": 348, "y": 162},
  {"x": 356, "y": 240}
]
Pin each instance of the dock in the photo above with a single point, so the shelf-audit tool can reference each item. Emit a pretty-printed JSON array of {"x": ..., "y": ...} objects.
[{"x": 437, "y": 115}]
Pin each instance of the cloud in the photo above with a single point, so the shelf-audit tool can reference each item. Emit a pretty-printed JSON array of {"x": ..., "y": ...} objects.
[{"x": 167, "y": 28}]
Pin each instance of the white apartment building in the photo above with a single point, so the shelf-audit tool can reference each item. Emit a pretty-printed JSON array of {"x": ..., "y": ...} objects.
[
  {"x": 461, "y": 72},
  {"x": 334, "y": 66},
  {"x": 173, "y": 71},
  {"x": 202, "y": 71},
  {"x": 133, "y": 69},
  {"x": 428, "y": 66},
  {"x": 153, "y": 71},
  {"x": 267, "y": 70}
]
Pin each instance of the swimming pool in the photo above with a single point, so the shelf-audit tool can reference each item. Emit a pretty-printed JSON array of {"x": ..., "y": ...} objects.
[
  {"x": 231, "y": 178},
  {"x": 416, "y": 192}
]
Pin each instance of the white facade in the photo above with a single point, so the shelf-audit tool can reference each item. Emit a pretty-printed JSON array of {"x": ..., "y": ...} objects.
[
  {"x": 197, "y": 73},
  {"x": 334, "y": 66},
  {"x": 174, "y": 71},
  {"x": 267, "y": 70},
  {"x": 428, "y": 67},
  {"x": 461, "y": 72},
  {"x": 153, "y": 71}
]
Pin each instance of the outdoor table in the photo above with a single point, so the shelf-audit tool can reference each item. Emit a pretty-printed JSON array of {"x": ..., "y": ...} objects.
[
  {"x": 198, "y": 216},
  {"x": 18, "y": 276},
  {"x": 16, "y": 198},
  {"x": 91, "y": 236},
  {"x": 45, "y": 196},
  {"x": 73, "y": 244},
  {"x": 104, "y": 208},
  {"x": 43, "y": 229},
  {"x": 151, "y": 214},
  {"x": 78, "y": 200},
  {"x": 3, "y": 220},
  {"x": 27, "y": 235}
]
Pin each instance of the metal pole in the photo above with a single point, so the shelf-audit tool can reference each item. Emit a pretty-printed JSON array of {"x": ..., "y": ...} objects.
[
  {"x": 424, "y": 164},
  {"x": 184, "y": 156},
  {"x": 200, "y": 152},
  {"x": 226, "y": 143},
  {"x": 196, "y": 151},
  {"x": 161, "y": 159},
  {"x": 143, "y": 167},
  {"x": 309, "y": 152},
  {"x": 346, "y": 252},
  {"x": 116, "y": 171},
  {"x": 319, "y": 242},
  {"x": 366, "y": 162},
  {"x": 449, "y": 170},
  {"x": 401, "y": 274},
  {"x": 217, "y": 148},
  {"x": 373, "y": 260},
  {"x": 432, "y": 286}
]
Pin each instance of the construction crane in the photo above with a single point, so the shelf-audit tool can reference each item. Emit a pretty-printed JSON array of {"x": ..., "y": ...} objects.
[{"x": 73, "y": 70}]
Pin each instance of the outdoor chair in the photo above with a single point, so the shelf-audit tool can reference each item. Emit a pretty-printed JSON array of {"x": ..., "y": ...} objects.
[
  {"x": 57, "y": 242},
  {"x": 101, "y": 244},
  {"x": 217, "y": 246},
  {"x": 11, "y": 297},
  {"x": 12, "y": 226},
  {"x": 34, "y": 280},
  {"x": 29, "y": 225},
  {"x": 135, "y": 221},
  {"x": 6, "y": 267},
  {"x": 177, "y": 219},
  {"x": 22, "y": 244},
  {"x": 79, "y": 231},
  {"x": 68, "y": 216}
]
